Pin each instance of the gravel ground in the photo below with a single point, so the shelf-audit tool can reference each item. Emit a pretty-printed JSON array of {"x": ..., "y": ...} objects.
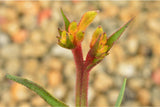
[{"x": 28, "y": 48}]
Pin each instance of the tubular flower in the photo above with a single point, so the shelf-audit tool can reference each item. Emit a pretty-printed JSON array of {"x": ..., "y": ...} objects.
[
  {"x": 73, "y": 34},
  {"x": 98, "y": 43}
]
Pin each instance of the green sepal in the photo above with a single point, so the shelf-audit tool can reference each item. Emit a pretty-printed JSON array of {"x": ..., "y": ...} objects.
[
  {"x": 66, "y": 21},
  {"x": 59, "y": 31},
  {"x": 114, "y": 37}
]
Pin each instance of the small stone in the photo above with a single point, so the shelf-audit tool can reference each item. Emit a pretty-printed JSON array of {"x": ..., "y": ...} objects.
[
  {"x": 2, "y": 104},
  {"x": 44, "y": 15},
  {"x": 102, "y": 82},
  {"x": 54, "y": 78},
  {"x": 138, "y": 61},
  {"x": 156, "y": 76},
  {"x": 37, "y": 101},
  {"x": 10, "y": 51},
  {"x": 12, "y": 28},
  {"x": 31, "y": 66},
  {"x": 12, "y": 66},
  {"x": 6, "y": 97},
  {"x": 36, "y": 36},
  {"x": 132, "y": 44},
  {"x": 69, "y": 69},
  {"x": 144, "y": 97},
  {"x": 101, "y": 101},
  {"x": 155, "y": 96},
  {"x": 112, "y": 96},
  {"x": 4, "y": 39},
  {"x": 131, "y": 104},
  {"x": 53, "y": 64},
  {"x": 19, "y": 92},
  {"x": 91, "y": 94},
  {"x": 154, "y": 24},
  {"x": 110, "y": 63},
  {"x": 135, "y": 83},
  {"x": 24, "y": 104},
  {"x": 29, "y": 50},
  {"x": 126, "y": 69},
  {"x": 60, "y": 91},
  {"x": 59, "y": 51}
]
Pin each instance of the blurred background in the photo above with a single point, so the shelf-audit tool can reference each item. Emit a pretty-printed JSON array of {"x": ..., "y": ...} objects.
[{"x": 28, "y": 48}]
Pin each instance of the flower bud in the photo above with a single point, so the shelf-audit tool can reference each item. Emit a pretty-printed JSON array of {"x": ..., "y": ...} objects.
[{"x": 66, "y": 40}]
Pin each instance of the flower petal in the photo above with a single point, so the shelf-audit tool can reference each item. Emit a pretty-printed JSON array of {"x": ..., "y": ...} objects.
[{"x": 86, "y": 19}]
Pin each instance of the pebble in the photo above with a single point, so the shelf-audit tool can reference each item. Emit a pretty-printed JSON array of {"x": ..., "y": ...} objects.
[
  {"x": 126, "y": 69},
  {"x": 60, "y": 91},
  {"x": 155, "y": 98},
  {"x": 59, "y": 51},
  {"x": 19, "y": 92},
  {"x": 54, "y": 78},
  {"x": 156, "y": 76},
  {"x": 29, "y": 50},
  {"x": 53, "y": 64},
  {"x": 20, "y": 36},
  {"x": 135, "y": 83},
  {"x": 4, "y": 40},
  {"x": 36, "y": 36},
  {"x": 31, "y": 66},
  {"x": 24, "y": 104},
  {"x": 91, "y": 94},
  {"x": 101, "y": 101},
  {"x": 112, "y": 96},
  {"x": 37, "y": 101},
  {"x": 131, "y": 104},
  {"x": 132, "y": 45},
  {"x": 102, "y": 82},
  {"x": 144, "y": 97},
  {"x": 12, "y": 66},
  {"x": 153, "y": 24},
  {"x": 10, "y": 51}
]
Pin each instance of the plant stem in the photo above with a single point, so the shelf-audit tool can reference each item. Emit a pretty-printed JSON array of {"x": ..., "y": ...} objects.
[
  {"x": 82, "y": 78},
  {"x": 78, "y": 57}
]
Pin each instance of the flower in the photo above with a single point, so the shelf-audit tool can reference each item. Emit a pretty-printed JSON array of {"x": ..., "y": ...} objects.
[{"x": 73, "y": 35}]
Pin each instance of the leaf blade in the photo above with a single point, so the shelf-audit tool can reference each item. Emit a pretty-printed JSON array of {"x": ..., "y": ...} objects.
[
  {"x": 38, "y": 89},
  {"x": 66, "y": 21},
  {"x": 114, "y": 37},
  {"x": 121, "y": 94}
]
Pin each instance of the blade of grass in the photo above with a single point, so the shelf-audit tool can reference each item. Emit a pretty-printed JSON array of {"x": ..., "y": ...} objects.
[
  {"x": 121, "y": 94},
  {"x": 39, "y": 90}
]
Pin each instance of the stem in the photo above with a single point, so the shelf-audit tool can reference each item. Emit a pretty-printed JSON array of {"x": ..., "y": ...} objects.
[
  {"x": 78, "y": 57},
  {"x": 82, "y": 77}
]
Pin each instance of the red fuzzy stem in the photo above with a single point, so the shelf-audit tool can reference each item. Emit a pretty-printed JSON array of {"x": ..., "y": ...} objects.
[
  {"x": 80, "y": 92},
  {"x": 82, "y": 76}
]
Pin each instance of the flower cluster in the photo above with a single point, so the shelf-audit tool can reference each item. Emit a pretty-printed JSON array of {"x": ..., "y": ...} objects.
[{"x": 74, "y": 33}]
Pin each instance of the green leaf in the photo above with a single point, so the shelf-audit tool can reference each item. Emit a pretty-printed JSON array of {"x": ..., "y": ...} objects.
[
  {"x": 39, "y": 90},
  {"x": 66, "y": 21},
  {"x": 121, "y": 94},
  {"x": 112, "y": 39}
]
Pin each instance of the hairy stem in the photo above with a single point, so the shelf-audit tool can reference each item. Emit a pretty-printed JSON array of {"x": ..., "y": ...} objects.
[{"x": 78, "y": 57}]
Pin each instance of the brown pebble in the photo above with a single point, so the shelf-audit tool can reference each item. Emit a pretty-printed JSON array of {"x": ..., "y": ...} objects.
[
  {"x": 19, "y": 92},
  {"x": 101, "y": 101},
  {"x": 37, "y": 101},
  {"x": 20, "y": 36},
  {"x": 54, "y": 78},
  {"x": 144, "y": 97},
  {"x": 102, "y": 82}
]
